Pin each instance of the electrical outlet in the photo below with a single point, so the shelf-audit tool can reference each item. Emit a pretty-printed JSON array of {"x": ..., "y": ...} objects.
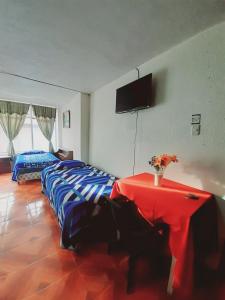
[{"x": 195, "y": 129}]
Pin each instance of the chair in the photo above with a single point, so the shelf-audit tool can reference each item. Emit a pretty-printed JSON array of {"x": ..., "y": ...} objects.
[
  {"x": 135, "y": 234},
  {"x": 95, "y": 225}
]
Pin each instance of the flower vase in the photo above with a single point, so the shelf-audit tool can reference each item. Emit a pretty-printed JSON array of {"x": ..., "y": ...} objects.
[{"x": 158, "y": 176}]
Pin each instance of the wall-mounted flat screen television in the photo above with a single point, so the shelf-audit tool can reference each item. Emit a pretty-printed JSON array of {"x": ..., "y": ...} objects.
[{"x": 135, "y": 95}]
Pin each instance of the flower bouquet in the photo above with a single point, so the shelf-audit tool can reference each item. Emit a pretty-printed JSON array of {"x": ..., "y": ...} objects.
[{"x": 160, "y": 163}]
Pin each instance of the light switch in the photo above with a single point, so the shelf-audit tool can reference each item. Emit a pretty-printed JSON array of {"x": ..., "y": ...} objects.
[
  {"x": 195, "y": 129},
  {"x": 196, "y": 119}
]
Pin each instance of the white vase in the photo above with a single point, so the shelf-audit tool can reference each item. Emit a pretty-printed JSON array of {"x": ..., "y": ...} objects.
[{"x": 158, "y": 179}]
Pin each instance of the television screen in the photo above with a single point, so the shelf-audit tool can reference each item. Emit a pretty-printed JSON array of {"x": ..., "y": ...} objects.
[{"x": 135, "y": 95}]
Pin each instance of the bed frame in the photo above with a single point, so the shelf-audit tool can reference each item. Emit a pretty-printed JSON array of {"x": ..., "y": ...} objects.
[
  {"x": 64, "y": 154},
  {"x": 29, "y": 176}
]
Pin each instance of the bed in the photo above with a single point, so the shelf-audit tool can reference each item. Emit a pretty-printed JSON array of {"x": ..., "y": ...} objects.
[
  {"x": 74, "y": 191},
  {"x": 28, "y": 165}
]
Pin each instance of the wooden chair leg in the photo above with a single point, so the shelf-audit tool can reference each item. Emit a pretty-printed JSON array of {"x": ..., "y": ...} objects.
[
  {"x": 109, "y": 248},
  {"x": 130, "y": 274},
  {"x": 170, "y": 282},
  {"x": 222, "y": 263},
  {"x": 113, "y": 246},
  {"x": 77, "y": 248}
]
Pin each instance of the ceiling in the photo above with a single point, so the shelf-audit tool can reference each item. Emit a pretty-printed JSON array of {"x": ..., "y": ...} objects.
[{"x": 84, "y": 44}]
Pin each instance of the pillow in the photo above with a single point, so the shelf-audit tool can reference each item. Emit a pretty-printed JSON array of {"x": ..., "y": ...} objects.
[
  {"x": 70, "y": 164},
  {"x": 33, "y": 152}
]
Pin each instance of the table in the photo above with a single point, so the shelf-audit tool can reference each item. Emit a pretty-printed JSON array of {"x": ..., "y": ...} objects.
[{"x": 171, "y": 203}]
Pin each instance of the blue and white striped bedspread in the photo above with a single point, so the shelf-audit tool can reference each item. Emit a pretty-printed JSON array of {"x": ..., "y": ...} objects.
[{"x": 71, "y": 192}]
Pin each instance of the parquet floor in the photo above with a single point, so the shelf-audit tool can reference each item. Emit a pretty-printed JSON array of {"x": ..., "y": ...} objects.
[{"x": 33, "y": 266}]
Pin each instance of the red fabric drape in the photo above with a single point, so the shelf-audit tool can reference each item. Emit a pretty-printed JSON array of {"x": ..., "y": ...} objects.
[{"x": 170, "y": 203}]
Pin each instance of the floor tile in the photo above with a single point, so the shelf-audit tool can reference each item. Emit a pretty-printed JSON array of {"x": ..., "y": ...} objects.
[
  {"x": 27, "y": 253},
  {"x": 67, "y": 288},
  {"x": 33, "y": 266},
  {"x": 26, "y": 234},
  {"x": 20, "y": 284},
  {"x": 14, "y": 224}
]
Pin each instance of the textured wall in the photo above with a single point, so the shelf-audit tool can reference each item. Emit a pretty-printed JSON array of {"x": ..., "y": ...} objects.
[{"x": 188, "y": 79}]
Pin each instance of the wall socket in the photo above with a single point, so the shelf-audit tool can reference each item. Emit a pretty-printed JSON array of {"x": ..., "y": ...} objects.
[{"x": 195, "y": 129}]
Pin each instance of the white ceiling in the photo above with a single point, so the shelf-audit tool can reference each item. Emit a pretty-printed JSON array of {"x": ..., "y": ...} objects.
[{"x": 84, "y": 44}]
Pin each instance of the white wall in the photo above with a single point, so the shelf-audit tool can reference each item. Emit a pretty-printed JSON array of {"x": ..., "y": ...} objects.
[
  {"x": 85, "y": 117},
  {"x": 76, "y": 137},
  {"x": 188, "y": 79}
]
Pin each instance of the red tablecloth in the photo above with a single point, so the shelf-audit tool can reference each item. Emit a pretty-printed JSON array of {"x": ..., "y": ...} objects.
[{"x": 169, "y": 203}]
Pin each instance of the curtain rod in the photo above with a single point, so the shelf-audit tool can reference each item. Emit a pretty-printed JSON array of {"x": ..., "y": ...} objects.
[
  {"x": 42, "y": 82},
  {"x": 18, "y": 101}
]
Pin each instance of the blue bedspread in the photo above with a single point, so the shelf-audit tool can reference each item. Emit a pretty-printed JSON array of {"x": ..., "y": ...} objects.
[
  {"x": 71, "y": 192},
  {"x": 32, "y": 161}
]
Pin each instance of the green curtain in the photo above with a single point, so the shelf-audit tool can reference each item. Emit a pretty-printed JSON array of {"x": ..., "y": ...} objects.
[
  {"x": 12, "y": 117},
  {"x": 46, "y": 119}
]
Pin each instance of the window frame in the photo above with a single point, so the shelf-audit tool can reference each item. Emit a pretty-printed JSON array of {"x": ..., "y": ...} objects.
[{"x": 31, "y": 116}]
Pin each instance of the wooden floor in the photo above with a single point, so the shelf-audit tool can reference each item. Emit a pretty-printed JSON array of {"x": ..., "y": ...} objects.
[{"x": 33, "y": 266}]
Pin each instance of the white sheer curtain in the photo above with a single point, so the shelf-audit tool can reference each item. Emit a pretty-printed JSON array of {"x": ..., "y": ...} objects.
[
  {"x": 12, "y": 117},
  {"x": 46, "y": 120}
]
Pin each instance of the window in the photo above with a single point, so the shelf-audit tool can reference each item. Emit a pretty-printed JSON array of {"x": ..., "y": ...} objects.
[
  {"x": 40, "y": 142},
  {"x": 23, "y": 141},
  {"x": 30, "y": 137}
]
